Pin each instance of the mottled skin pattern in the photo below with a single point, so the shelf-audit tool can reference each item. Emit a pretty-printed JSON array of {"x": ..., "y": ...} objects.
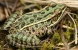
[{"x": 28, "y": 29}]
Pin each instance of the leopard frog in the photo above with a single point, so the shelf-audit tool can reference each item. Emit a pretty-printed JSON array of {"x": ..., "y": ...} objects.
[{"x": 31, "y": 28}]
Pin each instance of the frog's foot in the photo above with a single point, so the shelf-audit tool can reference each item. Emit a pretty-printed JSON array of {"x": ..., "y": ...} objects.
[
  {"x": 25, "y": 41},
  {"x": 6, "y": 47}
]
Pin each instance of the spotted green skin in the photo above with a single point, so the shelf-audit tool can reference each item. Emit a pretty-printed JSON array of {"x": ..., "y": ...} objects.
[{"x": 31, "y": 35}]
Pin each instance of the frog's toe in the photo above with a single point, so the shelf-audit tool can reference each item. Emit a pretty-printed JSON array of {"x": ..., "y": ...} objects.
[{"x": 9, "y": 38}]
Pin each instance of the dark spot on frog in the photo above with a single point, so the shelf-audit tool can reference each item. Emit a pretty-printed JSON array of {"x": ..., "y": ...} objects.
[
  {"x": 22, "y": 24},
  {"x": 34, "y": 16},
  {"x": 42, "y": 28},
  {"x": 36, "y": 25},
  {"x": 47, "y": 8},
  {"x": 31, "y": 20},
  {"x": 29, "y": 32},
  {"x": 51, "y": 21},
  {"x": 48, "y": 20},
  {"x": 38, "y": 33},
  {"x": 51, "y": 13},
  {"x": 17, "y": 27},
  {"x": 42, "y": 22},
  {"x": 33, "y": 29},
  {"x": 48, "y": 14},
  {"x": 11, "y": 29},
  {"x": 39, "y": 18},
  {"x": 10, "y": 24},
  {"x": 39, "y": 12},
  {"x": 42, "y": 12},
  {"x": 27, "y": 28},
  {"x": 7, "y": 28},
  {"x": 20, "y": 19}
]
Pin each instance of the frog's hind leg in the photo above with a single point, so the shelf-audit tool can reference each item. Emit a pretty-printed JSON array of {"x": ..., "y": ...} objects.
[
  {"x": 22, "y": 41},
  {"x": 9, "y": 47}
]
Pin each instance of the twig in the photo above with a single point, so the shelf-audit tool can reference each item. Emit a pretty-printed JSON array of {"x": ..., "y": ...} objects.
[
  {"x": 14, "y": 5},
  {"x": 74, "y": 26},
  {"x": 72, "y": 42},
  {"x": 63, "y": 38},
  {"x": 68, "y": 3},
  {"x": 64, "y": 26},
  {"x": 6, "y": 12},
  {"x": 7, "y": 6},
  {"x": 27, "y": 7}
]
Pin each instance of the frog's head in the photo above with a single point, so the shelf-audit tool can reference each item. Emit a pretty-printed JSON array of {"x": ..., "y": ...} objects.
[
  {"x": 10, "y": 21},
  {"x": 57, "y": 7},
  {"x": 54, "y": 5},
  {"x": 6, "y": 26}
]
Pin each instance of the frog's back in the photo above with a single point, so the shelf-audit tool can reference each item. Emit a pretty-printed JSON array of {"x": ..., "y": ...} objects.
[{"x": 30, "y": 18}]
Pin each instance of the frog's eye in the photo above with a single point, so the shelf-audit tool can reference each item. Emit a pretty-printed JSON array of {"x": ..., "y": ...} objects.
[{"x": 53, "y": 4}]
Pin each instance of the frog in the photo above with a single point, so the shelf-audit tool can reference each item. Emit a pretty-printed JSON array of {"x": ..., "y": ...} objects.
[{"x": 30, "y": 29}]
